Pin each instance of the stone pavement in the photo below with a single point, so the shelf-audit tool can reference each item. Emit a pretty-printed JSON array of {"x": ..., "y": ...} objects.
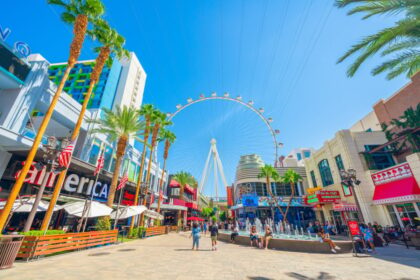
[{"x": 170, "y": 257}]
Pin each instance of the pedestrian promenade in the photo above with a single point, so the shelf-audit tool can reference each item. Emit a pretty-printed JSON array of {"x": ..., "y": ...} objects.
[{"x": 170, "y": 257}]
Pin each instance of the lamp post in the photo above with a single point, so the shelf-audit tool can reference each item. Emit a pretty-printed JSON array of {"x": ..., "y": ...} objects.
[
  {"x": 349, "y": 178},
  {"x": 51, "y": 151}
]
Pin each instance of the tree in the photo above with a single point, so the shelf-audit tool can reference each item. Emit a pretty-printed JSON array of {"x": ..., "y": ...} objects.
[
  {"x": 147, "y": 111},
  {"x": 269, "y": 172},
  {"x": 169, "y": 138},
  {"x": 111, "y": 47},
  {"x": 78, "y": 13},
  {"x": 207, "y": 212},
  {"x": 290, "y": 177},
  {"x": 401, "y": 40},
  {"x": 183, "y": 178},
  {"x": 223, "y": 216},
  {"x": 120, "y": 126}
]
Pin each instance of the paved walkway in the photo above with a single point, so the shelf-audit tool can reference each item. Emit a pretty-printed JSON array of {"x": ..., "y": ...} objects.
[{"x": 170, "y": 257}]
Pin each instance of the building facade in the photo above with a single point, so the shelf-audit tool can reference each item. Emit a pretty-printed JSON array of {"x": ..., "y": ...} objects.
[
  {"x": 248, "y": 187},
  {"x": 297, "y": 157}
]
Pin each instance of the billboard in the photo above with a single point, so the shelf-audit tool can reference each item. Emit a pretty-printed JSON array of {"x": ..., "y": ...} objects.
[{"x": 250, "y": 201}]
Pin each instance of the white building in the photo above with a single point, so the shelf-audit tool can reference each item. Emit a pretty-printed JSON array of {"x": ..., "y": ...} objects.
[{"x": 296, "y": 158}]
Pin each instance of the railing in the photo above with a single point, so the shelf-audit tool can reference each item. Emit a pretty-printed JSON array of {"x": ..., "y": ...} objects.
[
  {"x": 151, "y": 231},
  {"x": 34, "y": 246}
]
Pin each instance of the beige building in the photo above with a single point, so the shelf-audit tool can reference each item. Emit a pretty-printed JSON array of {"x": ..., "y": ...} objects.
[{"x": 346, "y": 150}]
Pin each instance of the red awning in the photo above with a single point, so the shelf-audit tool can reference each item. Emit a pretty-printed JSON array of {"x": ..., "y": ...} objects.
[
  {"x": 404, "y": 190},
  {"x": 174, "y": 184},
  {"x": 344, "y": 206},
  {"x": 195, "y": 219}
]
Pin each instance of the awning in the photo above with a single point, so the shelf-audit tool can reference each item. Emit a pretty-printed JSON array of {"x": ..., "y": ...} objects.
[
  {"x": 344, "y": 206},
  {"x": 404, "y": 190},
  {"x": 174, "y": 184},
  {"x": 195, "y": 219},
  {"x": 153, "y": 214},
  {"x": 236, "y": 207},
  {"x": 169, "y": 207}
]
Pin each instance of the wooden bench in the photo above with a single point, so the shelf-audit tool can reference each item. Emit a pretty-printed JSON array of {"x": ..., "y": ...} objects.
[
  {"x": 34, "y": 246},
  {"x": 151, "y": 231}
]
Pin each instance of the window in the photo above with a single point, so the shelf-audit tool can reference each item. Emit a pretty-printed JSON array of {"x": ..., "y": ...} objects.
[
  {"x": 260, "y": 189},
  {"x": 314, "y": 183},
  {"x": 306, "y": 154},
  {"x": 339, "y": 162},
  {"x": 325, "y": 171},
  {"x": 380, "y": 159},
  {"x": 299, "y": 156},
  {"x": 283, "y": 189}
]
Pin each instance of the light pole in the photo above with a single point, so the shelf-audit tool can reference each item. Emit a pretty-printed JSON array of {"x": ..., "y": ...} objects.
[
  {"x": 349, "y": 178},
  {"x": 51, "y": 152}
]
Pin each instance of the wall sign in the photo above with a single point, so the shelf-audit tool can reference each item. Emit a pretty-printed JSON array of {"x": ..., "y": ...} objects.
[
  {"x": 346, "y": 190},
  {"x": 250, "y": 201},
  {"x": 19, "y": 47}
]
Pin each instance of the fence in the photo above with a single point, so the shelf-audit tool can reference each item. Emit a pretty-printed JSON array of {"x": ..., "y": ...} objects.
[
  {"x": 34, "y": 246},
  {"x": 151, "y": 231}
]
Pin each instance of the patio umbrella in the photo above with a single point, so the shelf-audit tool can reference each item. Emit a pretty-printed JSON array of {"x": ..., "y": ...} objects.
[
  {"x": 195, "y": 219},
  {"x": 128, "y": 211},
  {"x": 24, "y": 205},
  {"x": 96, "y": 209},
  {"x": 153, "y": 214}
]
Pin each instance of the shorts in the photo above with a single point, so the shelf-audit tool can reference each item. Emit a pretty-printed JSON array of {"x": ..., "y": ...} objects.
[
  {"x": 213, "y": 238},
  {"x": 253, "y": 237}
]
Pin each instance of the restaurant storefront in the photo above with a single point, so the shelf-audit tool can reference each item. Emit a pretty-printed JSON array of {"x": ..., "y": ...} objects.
[{"x": 397, "y": 189}]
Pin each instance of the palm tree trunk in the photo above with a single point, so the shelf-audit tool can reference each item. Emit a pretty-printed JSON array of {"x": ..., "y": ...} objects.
[
  {"x": 122, "y": 143},
  {"x": 273, "y": 197},
  {"x": 292, "y": 185},
  {"x": 100, "y": 62},
  {"x": 79, "y": 31},
  {"x": 161, "y": 184},
  {"x": 181, "y": 197}
]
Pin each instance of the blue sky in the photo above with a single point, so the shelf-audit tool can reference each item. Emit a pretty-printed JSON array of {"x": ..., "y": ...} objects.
[{"x": 281, "y": 54}]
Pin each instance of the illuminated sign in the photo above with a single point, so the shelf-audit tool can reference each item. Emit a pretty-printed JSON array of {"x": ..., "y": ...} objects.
[{"x": 250, "y": 201}]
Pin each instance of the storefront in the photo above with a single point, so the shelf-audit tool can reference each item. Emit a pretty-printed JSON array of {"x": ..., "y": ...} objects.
[{"x": 398, "y": 190}]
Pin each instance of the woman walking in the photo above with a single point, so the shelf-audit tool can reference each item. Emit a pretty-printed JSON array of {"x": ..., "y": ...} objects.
[{"x": 195, "y": 234}]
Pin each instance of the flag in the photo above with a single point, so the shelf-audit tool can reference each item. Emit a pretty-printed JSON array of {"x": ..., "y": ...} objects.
[
  {"x": 123, "y": 181},
  {"x": 65, "y": 156},
  {"x": 99, "y": 164}
]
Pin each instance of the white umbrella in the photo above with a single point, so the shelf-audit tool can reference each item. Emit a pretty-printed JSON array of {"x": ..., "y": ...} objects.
[
  {"x": 25, "y": 205},
  {"x": 128, "y": 211},
  {"x": 153, "y": 214},
  {"x": 96, "y": 209}
]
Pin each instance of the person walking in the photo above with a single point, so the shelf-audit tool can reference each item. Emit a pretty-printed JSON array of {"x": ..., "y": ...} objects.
[
  {"x": 214, "y": 231},
  {"x": 195, "y": 234},
  {"x": 205, "y": 228}
]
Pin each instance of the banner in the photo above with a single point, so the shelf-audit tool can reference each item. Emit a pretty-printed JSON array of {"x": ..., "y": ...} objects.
[
  {"x": 250, "y": 201},
  {"x": 353, "y": 228}
]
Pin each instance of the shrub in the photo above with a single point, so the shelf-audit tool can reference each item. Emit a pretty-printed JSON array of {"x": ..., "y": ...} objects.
[
  {"x": 104, "y": 223},
  {"x": 41, "y": 232}
]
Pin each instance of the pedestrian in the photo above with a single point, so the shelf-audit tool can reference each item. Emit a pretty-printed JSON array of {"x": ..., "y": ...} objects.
[
  {"x": 267, "y": 236},
  {"x": 253, "y": 236},
  {"x": 368, "y": 236},
  {"x": 205, "y": 228},
  {"x": 235, "y": 232},
  {"x": 195, "y": 234},
  {"x": 214, "y": 231}
]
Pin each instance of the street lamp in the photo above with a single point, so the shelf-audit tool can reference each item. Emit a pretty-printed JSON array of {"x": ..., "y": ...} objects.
[
  {"x": 349, "y": 178},
  {"x": 51, "y": 152}
]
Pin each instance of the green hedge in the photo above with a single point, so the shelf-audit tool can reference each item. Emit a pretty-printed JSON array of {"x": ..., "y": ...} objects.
[
  {"x": 137, "y": 232},
  {"x": 41, "y": 232}
]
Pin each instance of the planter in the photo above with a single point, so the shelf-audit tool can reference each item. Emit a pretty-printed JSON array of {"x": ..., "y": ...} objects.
[{"x": 9, "y": 248}]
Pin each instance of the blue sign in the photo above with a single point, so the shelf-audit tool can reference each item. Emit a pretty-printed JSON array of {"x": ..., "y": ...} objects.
[
  {"x": 20, "y": 47},
  {"x": 250, "y": 201}
]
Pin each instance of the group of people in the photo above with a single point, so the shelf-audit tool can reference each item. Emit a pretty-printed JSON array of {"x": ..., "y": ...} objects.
[{"x": 203, "y": 227}]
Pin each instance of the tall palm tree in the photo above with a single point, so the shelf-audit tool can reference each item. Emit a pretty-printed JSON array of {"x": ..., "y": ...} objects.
[
  {"x": 269, "y": 172},
  {"x": 183, "y": 178},
  {"x": 120, "y": 126},
  {"x": 160, "y": 122},
  {"x": 169, "y": 138},
  {"x": 408, "y": 125},
  {"x": 78, "y": 13},
  {"x": 290, "y": 177},
  {"x": 401, "y": 40},
  {"x": 111, "y": 46},
  {"x": 148, "y": 112}
]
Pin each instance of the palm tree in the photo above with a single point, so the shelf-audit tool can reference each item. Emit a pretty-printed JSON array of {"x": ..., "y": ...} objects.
[
  {"x": 269, "y": 172},
  {"x": 120, "y": 126},
  {"x": 408, "y": 125},
  {"x": 78, "y": 13},
  {"x": 169, "y": 138},
  {"x": 290, "y": 177},
  {"x": 111, "y": 45},
  {"x": 183, "y": 178},
  {"x": 401, "y": 40},
  {"x": 148, "y": 112},
  {"x": 160, "y": 121}
]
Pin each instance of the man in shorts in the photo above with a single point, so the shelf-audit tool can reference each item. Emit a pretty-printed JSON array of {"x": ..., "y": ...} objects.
[{"x": 214, "y": 231}]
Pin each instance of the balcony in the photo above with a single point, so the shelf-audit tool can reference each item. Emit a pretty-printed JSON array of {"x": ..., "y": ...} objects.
[{"x": 13, "y": 70}]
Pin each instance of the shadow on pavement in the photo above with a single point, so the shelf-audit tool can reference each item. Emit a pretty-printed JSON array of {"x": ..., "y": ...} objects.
[
  {"x": 399, "y": 254},
  {"x": 200, "y": 250},
  {"x": 322, "y": 276},
  {"x": 259, "y": 278}
]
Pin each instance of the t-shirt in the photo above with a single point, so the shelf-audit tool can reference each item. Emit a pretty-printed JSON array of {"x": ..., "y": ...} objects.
[
  {"x": 196, "y": 232},
  {"x": 214, "y": 230}
]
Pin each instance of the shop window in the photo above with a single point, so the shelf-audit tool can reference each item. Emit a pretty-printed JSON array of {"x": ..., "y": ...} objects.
[
  {"x": 380, "y": 159},
  {"x": 94, "y": 152},
  {"x": 314, "y": 183},
  {"x": 340, "y": 164},
  {"x": 307, "y": 154},
  {"x": 299, "y": 156},
  {"x": 260, "y": 189},
  {"x": 283, "y": 189},
  {"x": 325, "y": 171}
]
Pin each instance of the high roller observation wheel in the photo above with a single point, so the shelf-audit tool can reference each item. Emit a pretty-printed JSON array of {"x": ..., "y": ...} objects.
[{"x": 238, "y": 99}]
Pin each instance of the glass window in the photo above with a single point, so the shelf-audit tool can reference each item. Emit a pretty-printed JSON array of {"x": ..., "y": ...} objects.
[
  {"x": 314, "y": 183},
  {"x": 340, "y": 164},
  {"x": 260, "y": 189},
  {"x": 283, "y": 189},
  {"x": 307, "y": 154},
  {"x": 325, "y": 171},
  {"x": 299, "y": 156},
  {"x": 380, "y": 159},
  {"x": 94, "y": 152}
]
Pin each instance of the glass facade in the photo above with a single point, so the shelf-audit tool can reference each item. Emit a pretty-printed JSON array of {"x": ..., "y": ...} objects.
[
  {"x": 406, "y": 212},
  {"x": 313, "y": 179},
  {"x": 340, "y": 164},
  {"x": 325, "y": 171},
  {"x": 379, "y": 160}
]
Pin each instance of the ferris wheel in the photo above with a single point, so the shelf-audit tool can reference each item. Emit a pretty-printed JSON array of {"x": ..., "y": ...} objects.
[{"x": 250, "y": 105}]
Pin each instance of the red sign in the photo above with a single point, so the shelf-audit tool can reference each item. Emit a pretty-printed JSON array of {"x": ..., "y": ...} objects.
[
  {"x": 353, "y": 227},
  {"x": 328, "y": 196},
  {"x": 229, "y": 196}
]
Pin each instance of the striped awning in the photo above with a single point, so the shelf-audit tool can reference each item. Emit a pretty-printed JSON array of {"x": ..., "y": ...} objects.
[{"x": 344, "y": 206}]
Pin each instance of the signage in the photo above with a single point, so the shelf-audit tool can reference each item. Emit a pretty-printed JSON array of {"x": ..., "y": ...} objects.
[
  {"x": 19, "y": 47},
  {"x": 250, "y": 201},
  {"x": 312, "y": 199},
  {"x": 229, "y": 193},
  {"x": 353, "y": 227},
  {"x": 328, "y": 196},
  {"x": 394, "y": 173},
  {"x": 346, "y": 190}
]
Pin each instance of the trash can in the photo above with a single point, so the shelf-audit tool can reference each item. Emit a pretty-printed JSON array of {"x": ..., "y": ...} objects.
[{"x": 9, "y": 248}]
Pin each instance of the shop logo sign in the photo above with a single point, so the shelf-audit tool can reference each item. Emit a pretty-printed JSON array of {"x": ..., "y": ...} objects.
[{"x": 20, "y": 47}]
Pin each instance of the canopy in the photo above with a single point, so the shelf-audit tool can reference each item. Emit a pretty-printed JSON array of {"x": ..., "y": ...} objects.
[
  {"x": 195, "y": 219},
  {"x": 96, "y": 209},
  {"x": 165, "y": 206},
  {"x": 344, "y": 206},
  {"x": 153, "y": 214},
  {"x": 128, "y": 211},
  {"x": 403, "y": 190},
  {"x": 25, "y": 205}
]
